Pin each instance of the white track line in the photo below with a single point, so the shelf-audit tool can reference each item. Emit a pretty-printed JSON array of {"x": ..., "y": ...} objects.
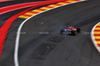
[
  {"x": 16, "y": 62},
  {"x": 92, "y": 36}
]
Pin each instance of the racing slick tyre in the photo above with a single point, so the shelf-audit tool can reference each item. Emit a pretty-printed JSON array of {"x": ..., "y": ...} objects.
[
  {"x": 78, "y": 30},
  {"x": 61, "y": 31},
  {"x": 73, "y": 33}
]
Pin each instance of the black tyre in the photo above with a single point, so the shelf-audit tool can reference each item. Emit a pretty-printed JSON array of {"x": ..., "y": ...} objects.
[
  {"x": 78, "y": 30},
  {"x": 73, "y": 33}
]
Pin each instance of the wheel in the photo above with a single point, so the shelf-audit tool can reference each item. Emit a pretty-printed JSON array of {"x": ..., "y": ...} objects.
[
  {"x": 61, "y": 31},
  {"x": 73, "y": 33},
  {"x": 78, "y": 30}
]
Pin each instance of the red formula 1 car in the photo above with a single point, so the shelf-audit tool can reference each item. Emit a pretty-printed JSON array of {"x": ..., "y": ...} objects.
[{"x": 70, "y": 30}]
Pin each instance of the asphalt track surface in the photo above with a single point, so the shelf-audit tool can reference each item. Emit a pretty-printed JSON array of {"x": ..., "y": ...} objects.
[{"x": 43, "y": 30}]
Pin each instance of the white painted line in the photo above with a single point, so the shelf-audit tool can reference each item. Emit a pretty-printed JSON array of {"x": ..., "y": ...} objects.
[
  {"x": 93, "y": 39},
  {"x": 16, "y": 62}
]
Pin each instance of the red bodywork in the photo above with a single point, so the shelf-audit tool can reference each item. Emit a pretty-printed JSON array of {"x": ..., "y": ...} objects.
[{"x": 70, "y": 28}]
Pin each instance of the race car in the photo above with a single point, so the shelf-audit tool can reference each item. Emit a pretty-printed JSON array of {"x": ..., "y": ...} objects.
[{"x": 70, "y": 30}]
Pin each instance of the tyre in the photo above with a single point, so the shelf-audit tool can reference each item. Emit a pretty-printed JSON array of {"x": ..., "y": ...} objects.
[
  {"x": 73, "y": 33},
  {"x": 78, "y": 30}
]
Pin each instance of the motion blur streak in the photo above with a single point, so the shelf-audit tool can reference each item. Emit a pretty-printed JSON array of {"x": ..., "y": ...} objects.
[
  {"x": 5, "y": 0},
  {"x": 23, "y": 5},
  {"x": 3, "y": 31}
]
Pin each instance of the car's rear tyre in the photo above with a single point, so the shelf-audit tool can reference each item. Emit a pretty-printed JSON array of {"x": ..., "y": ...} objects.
[
  {"x": 78, "y": 30},
  {"x": 73, "y": 33}
]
